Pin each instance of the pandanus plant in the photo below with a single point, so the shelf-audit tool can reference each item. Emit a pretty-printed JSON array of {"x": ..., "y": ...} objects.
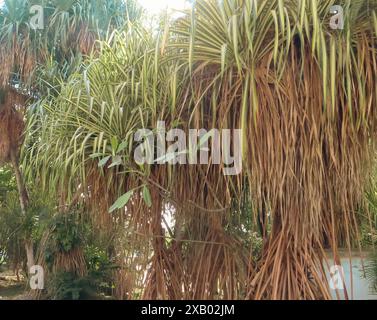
[
  {"x": 68, "y": 30},
  {"x": 11, "y": 138},
  {"x": 305, "y": 97}
]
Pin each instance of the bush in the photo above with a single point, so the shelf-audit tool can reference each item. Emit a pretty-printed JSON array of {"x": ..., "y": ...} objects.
[
  {"x": 98, "y": 281},
  {"x": 91, "y": 273}
]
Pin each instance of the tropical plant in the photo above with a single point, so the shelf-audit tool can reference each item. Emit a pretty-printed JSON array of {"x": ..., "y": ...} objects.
[
  {"x": 7, "y": 183},
  {"x": 77, "y": 265},
  {"x": 303, "y": 95},
  {"x": 31, "y": 57}
]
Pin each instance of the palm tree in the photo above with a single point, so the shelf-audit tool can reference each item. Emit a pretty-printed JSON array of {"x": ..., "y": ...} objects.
[
  {"x": 303, "y": 95},
  {"x": 29, "y": 56}
]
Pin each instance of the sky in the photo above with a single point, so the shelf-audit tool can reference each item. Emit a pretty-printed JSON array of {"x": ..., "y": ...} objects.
[{"x": 156, "y": 6}]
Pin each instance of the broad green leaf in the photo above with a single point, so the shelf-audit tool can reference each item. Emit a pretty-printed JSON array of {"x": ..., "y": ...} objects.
[
  {"x": 103, "y": 161},
  {"x": 122, "y": 146},
  {"x": 116, "y": 161},
  {"x": 95, "y": 155},
  {"x": 166, "y": 158},
  {"x": 204, "y": 139},
  {"x": 122, "y": 201},
  {"x": 114, "y": 144},
  {"x": 147, "y": 196}
]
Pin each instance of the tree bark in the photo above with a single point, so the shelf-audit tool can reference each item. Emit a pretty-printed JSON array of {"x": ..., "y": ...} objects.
[
  {"x": 29, "y": 254},
  {"x": 24, "y": 200}
]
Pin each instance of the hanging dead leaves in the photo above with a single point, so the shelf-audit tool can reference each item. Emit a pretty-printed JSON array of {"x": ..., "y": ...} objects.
[{"x": 11, "y": 127}]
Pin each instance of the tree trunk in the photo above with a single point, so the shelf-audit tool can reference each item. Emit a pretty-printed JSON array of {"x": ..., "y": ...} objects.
[
  {"x": 29, "y": 254},
  {"x": 23, "y": 197}
]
